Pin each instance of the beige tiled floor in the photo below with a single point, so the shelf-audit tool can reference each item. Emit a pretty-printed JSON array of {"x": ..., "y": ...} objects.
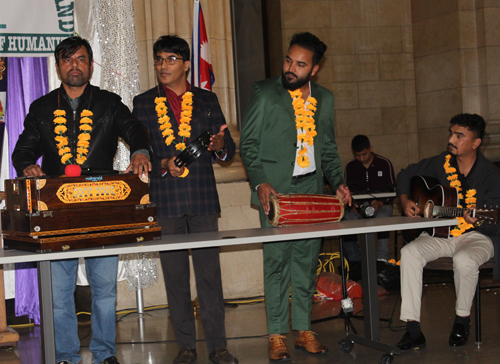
[{"x": 151, "y": 340}]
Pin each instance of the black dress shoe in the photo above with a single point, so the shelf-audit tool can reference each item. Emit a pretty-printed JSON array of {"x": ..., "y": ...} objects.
[
  {"x": 110, "y": 360},
  {"x": 408, "y": 343},
  {"x": 185, "y": 356},
  {"x": 459, "y": 335},
  {"x": 222, "y": 356}
]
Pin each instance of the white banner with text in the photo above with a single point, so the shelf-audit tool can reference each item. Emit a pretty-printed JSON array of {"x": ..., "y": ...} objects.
[{"x": 34, "y": 28}]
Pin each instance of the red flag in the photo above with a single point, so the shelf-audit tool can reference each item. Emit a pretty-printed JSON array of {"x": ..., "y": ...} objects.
[{"x": 202, "y": 74}]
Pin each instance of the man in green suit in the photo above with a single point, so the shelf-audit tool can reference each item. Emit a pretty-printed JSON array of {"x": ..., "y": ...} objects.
[{"x": 287, "y": 145}]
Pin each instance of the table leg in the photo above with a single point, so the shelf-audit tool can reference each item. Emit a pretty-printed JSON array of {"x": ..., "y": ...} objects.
[
  {"x": 46, "y": 312},
  {"x": 370, "y": 293},
  {"x": 8, "y": 337},
  {"x": 370, "y": 298}
]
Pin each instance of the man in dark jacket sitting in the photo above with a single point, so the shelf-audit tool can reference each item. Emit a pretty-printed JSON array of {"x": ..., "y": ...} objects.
[{"x": 470, "y": 244}]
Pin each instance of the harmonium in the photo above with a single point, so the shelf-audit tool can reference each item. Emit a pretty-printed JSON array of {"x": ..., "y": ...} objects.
[{"x": 61, "y": 213}]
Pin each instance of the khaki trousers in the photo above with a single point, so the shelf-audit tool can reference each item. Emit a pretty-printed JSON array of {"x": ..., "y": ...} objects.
[{"x": 469, "y": 251}]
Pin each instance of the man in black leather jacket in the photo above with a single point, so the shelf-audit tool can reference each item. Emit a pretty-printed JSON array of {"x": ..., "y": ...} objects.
[{"x": 80, "y": 123}]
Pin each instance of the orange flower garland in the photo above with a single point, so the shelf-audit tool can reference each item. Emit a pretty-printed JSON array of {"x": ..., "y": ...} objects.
[
  {"x": 470, "y": 200},
  {"x": 184, "y": 126},
  {"x": 393, "y": 261},
  {"x": 304, "y": 122},
  {"x": 83, "y": 138}
]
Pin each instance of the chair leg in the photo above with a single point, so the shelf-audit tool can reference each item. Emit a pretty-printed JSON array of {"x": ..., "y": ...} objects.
[
  {"x": 478, "y": 313},
  {"x": 396, "y": 250}
]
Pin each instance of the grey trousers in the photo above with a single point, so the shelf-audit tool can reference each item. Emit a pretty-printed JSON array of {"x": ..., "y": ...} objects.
[
  {"x": 206, "y": 264},
  {"x": 469, "y": 251}
]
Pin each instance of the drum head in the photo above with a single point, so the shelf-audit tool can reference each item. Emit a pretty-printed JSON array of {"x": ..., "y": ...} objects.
[{"x": 274, "y": 211}]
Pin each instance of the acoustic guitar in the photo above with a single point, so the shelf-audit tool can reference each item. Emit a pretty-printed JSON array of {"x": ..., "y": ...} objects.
[{"x": 435, "y": 200}]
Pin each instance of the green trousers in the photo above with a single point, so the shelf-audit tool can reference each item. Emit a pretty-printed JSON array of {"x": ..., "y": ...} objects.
[{"x": 290, "y": 264}]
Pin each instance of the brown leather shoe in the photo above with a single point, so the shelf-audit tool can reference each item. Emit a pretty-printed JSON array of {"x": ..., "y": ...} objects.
[
  {"x": 308, "y": 342},
  {"x": 277, "y": 348}
]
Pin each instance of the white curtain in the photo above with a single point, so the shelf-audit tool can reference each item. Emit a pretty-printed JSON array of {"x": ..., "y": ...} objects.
[{"x": 109, "y": 28}]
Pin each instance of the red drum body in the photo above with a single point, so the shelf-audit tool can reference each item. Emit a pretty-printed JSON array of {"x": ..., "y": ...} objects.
[{"x": 304, "y": 209}]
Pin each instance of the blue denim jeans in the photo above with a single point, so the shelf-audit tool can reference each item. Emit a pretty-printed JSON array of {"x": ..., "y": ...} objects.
[{"x": 101, "y": 274}]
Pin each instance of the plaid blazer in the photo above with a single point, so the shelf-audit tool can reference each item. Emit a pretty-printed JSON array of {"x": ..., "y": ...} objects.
[{"x": 173, "y": 196}]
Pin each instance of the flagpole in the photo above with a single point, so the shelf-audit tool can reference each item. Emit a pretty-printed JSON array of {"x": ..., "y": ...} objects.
[
  {"x": 195, "y": 51},
  {"x": 202, "y": 74}
]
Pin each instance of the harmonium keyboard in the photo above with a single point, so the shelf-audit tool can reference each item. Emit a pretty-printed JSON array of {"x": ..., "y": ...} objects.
[{"x": 61, "y": 213}]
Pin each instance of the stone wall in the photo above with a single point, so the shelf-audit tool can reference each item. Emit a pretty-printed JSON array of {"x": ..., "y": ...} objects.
[
  {"x": 368, "y": 65},
  {"x": 456, "y": 46}
]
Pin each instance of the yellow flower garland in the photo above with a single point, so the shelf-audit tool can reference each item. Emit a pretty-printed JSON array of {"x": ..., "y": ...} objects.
[
  {"x": 304, "y": 121},
  {"x": 83, "y": 138},
  {"x": 470, "y": 200},
  {"x": 184, "y": 126}
]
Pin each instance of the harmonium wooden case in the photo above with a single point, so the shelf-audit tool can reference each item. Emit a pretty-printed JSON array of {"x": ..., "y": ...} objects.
[{"x": 61, "y": 213}]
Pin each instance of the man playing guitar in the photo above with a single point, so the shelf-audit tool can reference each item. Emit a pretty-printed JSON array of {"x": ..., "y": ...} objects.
[{"x": 470, "y": 244}]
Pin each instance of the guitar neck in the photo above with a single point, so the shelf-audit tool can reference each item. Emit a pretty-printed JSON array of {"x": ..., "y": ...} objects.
[
  {"x": 489, "y": 214},
  {"x": 446, "y": 211},
  {"x": 436, "y": 200}
]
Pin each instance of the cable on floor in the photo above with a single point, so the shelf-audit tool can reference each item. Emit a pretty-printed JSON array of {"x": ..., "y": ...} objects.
[{"x": 328, "y": 266}]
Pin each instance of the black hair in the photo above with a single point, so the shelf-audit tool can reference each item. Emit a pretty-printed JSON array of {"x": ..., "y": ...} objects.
[
  {"x": 310, "y": 42},
  {"x": 473, "y": 122},
  {"x": 70, "y": 45},
  {"x": 172, "y": 44},
  {"x": 359, "y": 143}
]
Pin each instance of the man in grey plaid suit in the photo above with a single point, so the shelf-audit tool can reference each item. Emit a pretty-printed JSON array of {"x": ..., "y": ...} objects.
[{"x": 187, "y": 201}]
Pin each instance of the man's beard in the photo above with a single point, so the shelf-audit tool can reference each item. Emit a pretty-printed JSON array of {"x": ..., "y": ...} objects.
[
  {"x": 76, "y": 81},
  {"x": 292, "y": 86}
]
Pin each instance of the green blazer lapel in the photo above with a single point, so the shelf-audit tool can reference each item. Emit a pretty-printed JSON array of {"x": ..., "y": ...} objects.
[
  {"x": 287, "y": 99},
  {"x": 318, "y": 95}
]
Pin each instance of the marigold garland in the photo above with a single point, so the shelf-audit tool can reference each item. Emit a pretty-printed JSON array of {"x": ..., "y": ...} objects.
[
  {"x": 83, "y": 138},
  {"x": 393, "y": 261},
  {"x": 470, "y": 200},
  {"x": 184, "y": 125},
  {"x": 304, "y": 122}
]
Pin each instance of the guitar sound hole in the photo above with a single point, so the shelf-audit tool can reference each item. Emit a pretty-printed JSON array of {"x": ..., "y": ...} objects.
[{"x": 428, "y": 209}]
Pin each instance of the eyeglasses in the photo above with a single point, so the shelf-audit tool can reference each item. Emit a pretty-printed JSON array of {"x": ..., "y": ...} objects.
[{"x": 170, "y": 60}]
